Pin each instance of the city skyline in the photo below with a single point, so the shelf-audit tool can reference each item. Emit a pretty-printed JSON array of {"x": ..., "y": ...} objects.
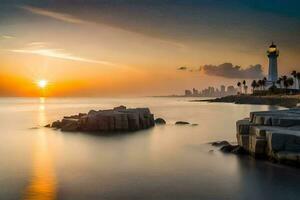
[{"x": 140, "y": 47}]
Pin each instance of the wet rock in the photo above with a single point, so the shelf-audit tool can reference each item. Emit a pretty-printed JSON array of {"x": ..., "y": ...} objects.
[
  {"x": 69, "y": 125},
  {"x": 117, "y": 119},
  {"x": 159, "y": 121},
  {"x": 56, "y": 124},
  {"x": 220, "y": 143},
  {"x": 182, "y": 123},
  {"x": 271, "y": 134},
  {"x": 239, "y": 150},
  {"x": 228, "y": 148},
  {"x": 48, "y": 125},
  {"x": 120, "y": 108}
]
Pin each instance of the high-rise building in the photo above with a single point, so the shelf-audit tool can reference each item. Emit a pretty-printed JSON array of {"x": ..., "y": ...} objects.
[
  {"x": 223, "y": 89},
  {"x": 188, "y": 93},
  {"x": 195, "y": 92}
]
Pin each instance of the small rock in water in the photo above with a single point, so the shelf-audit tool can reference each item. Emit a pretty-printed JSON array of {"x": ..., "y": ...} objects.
[
  {"x": 194, "y": 124},
  {"x": 220, "y": 143},
  {"x": 239, "y": 150},
  {"x": 159, "y": 121},
  {"x": 228, "y": 148},
  {"x": 182, "y": 123},
  {"x": 56, "y": 124},
  {"x": 48, "y": 126}
]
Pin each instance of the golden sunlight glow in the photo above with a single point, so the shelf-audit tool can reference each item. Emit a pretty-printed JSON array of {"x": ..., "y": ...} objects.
[{"x": 42, "y": 83}]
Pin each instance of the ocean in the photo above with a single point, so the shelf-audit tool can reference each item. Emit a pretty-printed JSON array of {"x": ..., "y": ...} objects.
[{"x": 161, "y": 163}]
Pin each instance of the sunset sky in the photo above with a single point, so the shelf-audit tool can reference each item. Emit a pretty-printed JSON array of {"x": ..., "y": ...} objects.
[{"x": 141, "y": 47}]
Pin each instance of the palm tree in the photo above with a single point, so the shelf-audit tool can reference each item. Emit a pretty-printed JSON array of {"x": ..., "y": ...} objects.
[
  {"x": 239, "y": 85},
  {"x": 284, "y": 78},
  {"x": 287, "y": 82},
  {"x": 245, "y": 86},
  {"x": 253, "y": 85},
  {"x": 259, "y": 84},
  {"x": 290, "y": 81},
  {"x": 263, "y": 82},
  {"x": 298, "y": 79},
  {"x": 280, "y": 80},
  {"x": 294, "y": 74}
]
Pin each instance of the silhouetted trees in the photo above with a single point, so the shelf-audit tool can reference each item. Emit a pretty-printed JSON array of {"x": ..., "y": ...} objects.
[
  {"x": 279, "y": 81},
  {"x": 239, "y": 86},
  {"x": 294, "y": 75},
  {"x": 298, "y": 79},
  {"x": 253, "y": 85},
  {"x": 292, "y": 82}
]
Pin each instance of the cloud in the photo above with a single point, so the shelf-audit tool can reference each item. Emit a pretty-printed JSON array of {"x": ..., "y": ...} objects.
[
  {"x": 60, "y": 54},
  {"x": 228, "y": 70},
  {"x": 190, "y": 69},
  {"x": 182, "y": 68},
  {"x": 6, "y": 36},
  {"x": 54, "y": 15},
  {"x": 75, "y": 20}
]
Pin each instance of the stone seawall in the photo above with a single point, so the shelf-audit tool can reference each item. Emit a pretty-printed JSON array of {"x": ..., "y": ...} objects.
[
  {"x": 271, "y": 134},
  {"x": 113, "y": 120}
]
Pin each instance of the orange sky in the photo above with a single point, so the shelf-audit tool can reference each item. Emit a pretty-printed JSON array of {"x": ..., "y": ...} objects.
[{"x": 84, "y": 55}]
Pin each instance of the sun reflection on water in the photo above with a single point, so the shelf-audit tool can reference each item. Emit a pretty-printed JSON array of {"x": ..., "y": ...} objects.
[{"x": 42, "y": 185}]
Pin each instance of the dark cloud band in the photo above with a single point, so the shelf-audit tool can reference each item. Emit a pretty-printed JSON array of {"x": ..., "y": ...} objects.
[{"x": 228, "y": 70}]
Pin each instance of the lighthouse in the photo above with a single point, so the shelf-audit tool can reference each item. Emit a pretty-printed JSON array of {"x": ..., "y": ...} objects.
[{"x": 273, "y": 53}]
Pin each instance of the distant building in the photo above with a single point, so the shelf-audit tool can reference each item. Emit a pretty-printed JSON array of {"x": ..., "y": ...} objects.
[
  {"x": 188, "y": 93},
  {"x": 231, "y": 90},
  {"x": 223, "y": 89},
  {"x": 195, "y": 92},
  {"x": 211, "y": 92}
]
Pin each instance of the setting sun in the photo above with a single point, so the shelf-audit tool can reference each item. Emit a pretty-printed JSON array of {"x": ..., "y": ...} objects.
[{"x": 42, "y": 83}]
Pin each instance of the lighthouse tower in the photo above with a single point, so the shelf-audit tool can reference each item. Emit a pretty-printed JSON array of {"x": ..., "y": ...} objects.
[{"x": 273, "y": 53}]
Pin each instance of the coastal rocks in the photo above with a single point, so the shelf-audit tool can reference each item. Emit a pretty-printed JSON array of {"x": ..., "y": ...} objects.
[
  {"x": 159, "y": 121},
  {"x": 220, "y": 143},
  {"x": 226, "y": 147},
  {"x": 69, "y": 124},
  {"x": 271, "y": 134},
  {"x": 181, "y": 123},
  {"x": 117, "y": 119},
  {"x": 56, "y": 124},
  {"x": 288, "y": 102}
]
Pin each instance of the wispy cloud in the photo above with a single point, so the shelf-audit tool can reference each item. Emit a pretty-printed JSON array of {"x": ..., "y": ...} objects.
[
  {"x": 60, "y": 54},
  {"x": 75, "y": 20},
  {"x": 55, "y": 15},
  {"x": 6, "y": 37}
]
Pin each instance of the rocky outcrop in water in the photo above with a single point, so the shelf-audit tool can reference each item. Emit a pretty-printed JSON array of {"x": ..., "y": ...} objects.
[
  {"x": 113, "y": 120},
  {"x": 181, "y": 123},
  {"x": 160, "y": 121},
  {"x": 271, "y": 134},
  {"x": 285, "y": 101}
]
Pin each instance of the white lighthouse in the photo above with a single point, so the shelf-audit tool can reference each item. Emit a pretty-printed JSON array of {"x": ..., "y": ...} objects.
[{"x": 273, "y": 53}]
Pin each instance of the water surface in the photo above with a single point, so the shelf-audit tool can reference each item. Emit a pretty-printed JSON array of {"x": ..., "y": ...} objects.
[{"x": 165, "y": 162}]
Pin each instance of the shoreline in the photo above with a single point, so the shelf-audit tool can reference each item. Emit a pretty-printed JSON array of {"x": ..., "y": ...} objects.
[{"x": 287, "y": 101}]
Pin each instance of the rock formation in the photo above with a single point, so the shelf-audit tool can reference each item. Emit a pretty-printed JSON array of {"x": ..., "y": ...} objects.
[
  {"x": 181, "y": 123},
  {"x": 271, "y": 134},
  {"x": 117, "y": 119},
  {"x": 276, "y": 100},
  {"x": 160, "y": 121}
]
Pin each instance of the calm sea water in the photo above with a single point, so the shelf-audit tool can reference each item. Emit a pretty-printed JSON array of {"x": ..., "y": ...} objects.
[{"x": 165, "y": 162}]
